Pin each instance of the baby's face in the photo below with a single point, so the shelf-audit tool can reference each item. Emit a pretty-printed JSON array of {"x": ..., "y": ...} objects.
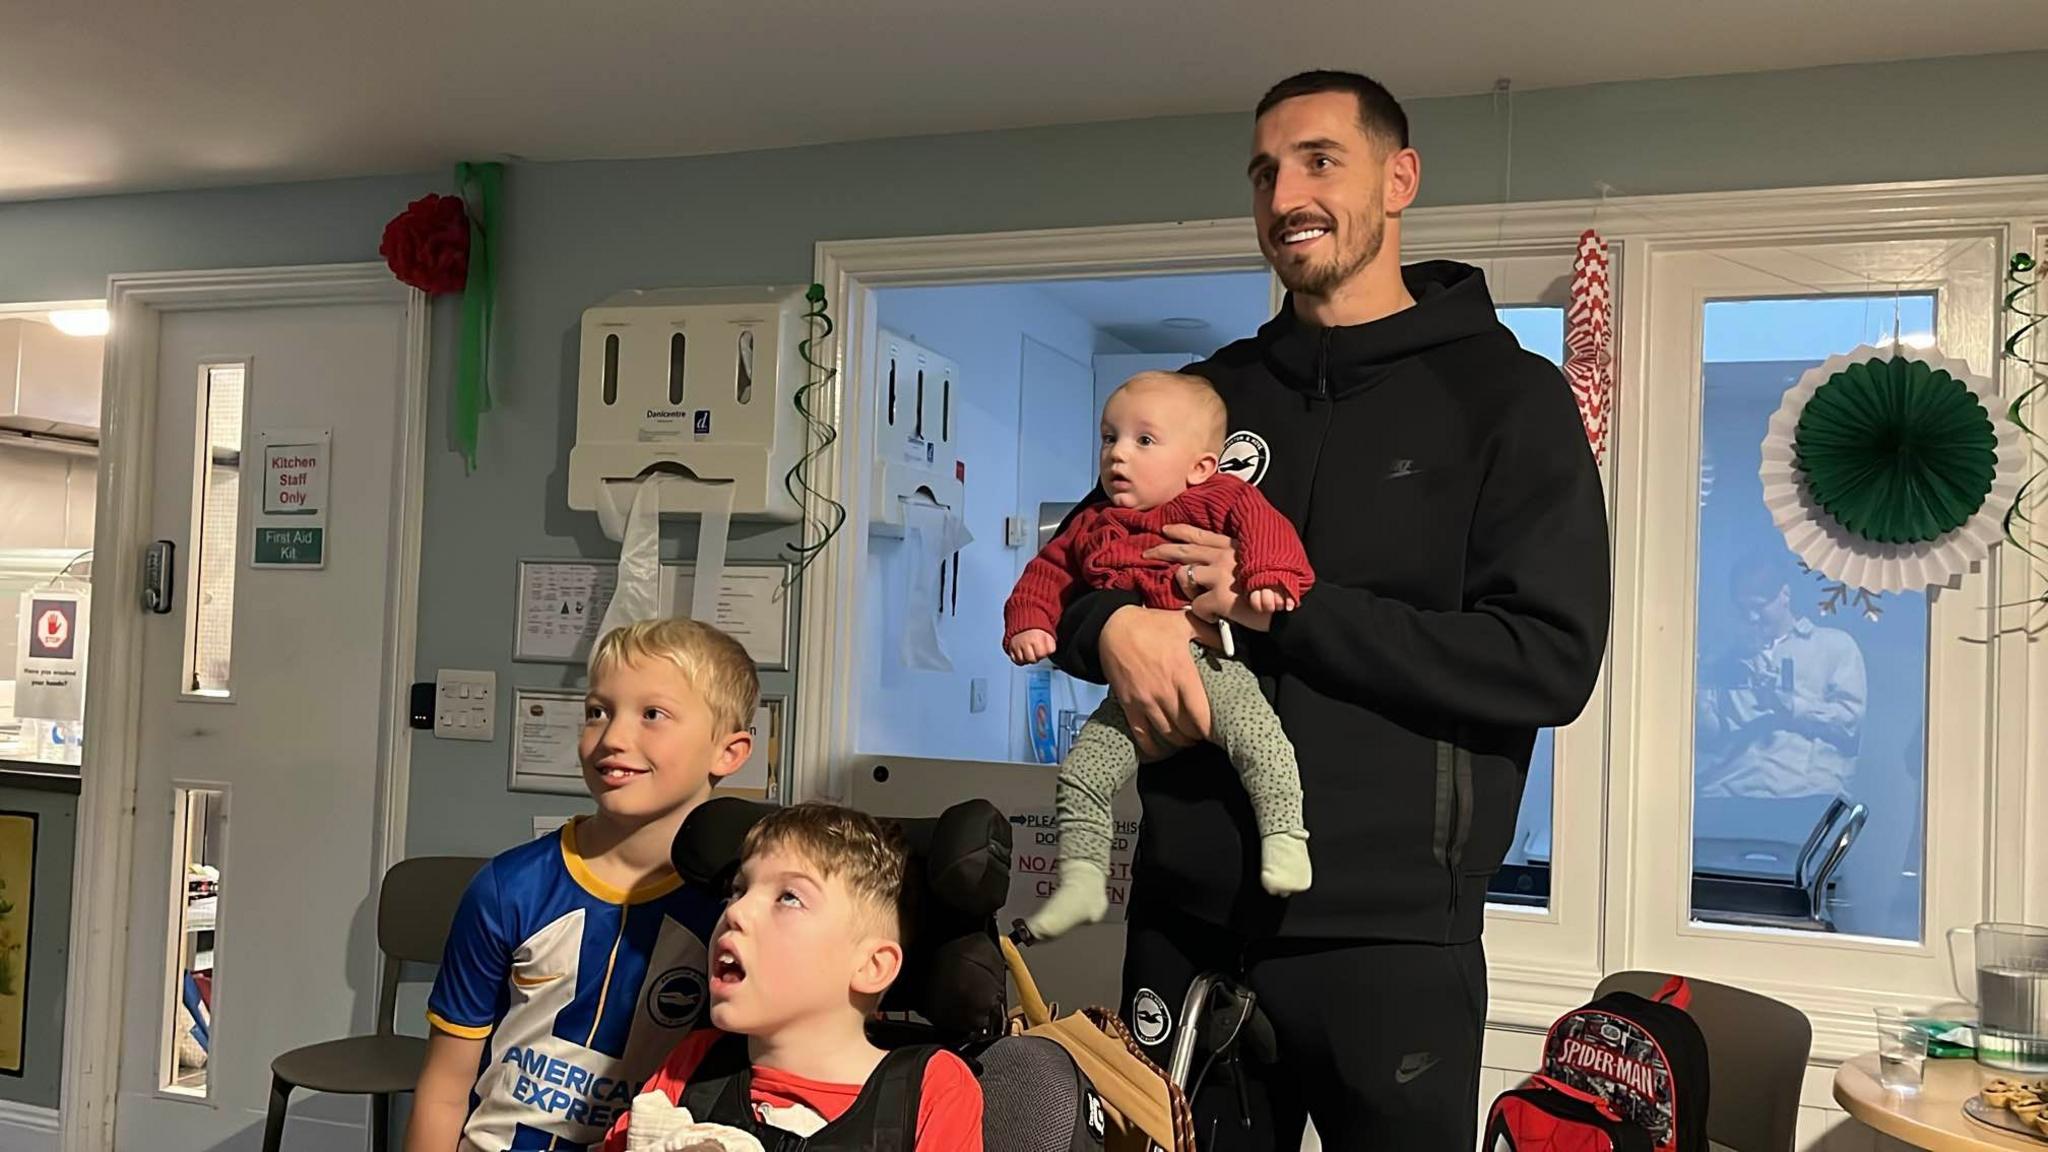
[{"x": 1154, "y": 441}]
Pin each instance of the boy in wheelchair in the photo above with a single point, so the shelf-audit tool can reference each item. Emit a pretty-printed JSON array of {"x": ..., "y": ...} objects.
[{"x": 813, "y": 938}]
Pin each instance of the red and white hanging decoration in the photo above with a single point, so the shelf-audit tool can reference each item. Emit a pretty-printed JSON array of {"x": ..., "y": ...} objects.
[{"x": 1589, "y": 340}]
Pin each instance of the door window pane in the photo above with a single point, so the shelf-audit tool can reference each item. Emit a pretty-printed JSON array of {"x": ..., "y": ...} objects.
[
  {"x": 1811, "y": 699},
  {"x": 198, "y": 836},
  {"x": 1524, "y": 877},
  {"x": 217, "y": 496}
]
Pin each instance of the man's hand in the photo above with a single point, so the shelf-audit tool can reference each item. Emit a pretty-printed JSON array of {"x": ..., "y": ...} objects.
[
  {"x": 1030, "y": 646},
  {"x": 1144, "y": 653},
  {"x": 1208, "y": 576}
]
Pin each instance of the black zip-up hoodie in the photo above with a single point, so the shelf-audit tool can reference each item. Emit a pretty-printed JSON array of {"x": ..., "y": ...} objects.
[{"x": 1440, "y": 478}]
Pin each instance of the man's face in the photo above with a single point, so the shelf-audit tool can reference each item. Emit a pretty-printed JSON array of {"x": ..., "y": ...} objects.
[
  {"x": 1766, "y": 612},
  {"x": 1318, "y": 191}
]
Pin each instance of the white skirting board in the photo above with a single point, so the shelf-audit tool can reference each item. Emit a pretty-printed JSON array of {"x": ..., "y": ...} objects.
[{"x": 26, "y": 1128}]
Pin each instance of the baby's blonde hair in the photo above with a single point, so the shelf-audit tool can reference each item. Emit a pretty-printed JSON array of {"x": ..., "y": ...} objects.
[
  {"x": 715, "y": 664},
  {"x": 1208, "y": 402}
]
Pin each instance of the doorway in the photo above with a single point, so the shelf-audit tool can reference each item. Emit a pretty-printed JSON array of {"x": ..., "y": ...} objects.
[{"x": 249, "y": 725}]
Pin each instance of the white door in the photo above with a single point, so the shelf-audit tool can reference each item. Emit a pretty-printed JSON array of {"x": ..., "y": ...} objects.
[{"x": 261, "y": 717}]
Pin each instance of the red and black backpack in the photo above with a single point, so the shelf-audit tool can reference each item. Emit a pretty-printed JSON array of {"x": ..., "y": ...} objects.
[
  {"x": 1644, "y": 1060},
  {"x": 1547, "y": 1116}
]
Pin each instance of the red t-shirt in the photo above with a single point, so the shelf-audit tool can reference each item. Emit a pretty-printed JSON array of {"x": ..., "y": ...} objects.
[{"x": 948, "y": 1111}]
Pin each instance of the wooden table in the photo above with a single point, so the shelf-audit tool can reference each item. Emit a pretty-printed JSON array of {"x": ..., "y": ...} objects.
[{"x": 1933, "y": 1117}]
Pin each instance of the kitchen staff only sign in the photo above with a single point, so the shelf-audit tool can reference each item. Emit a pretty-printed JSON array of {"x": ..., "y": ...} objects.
[
  {"x": 49, "y": 677},
  {"x": 291, "y": 524}
]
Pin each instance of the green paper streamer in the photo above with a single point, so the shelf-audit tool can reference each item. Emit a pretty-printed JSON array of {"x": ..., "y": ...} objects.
[
  {"x": 1897, "y": 451},
  {"x": 480, "y": 186}
]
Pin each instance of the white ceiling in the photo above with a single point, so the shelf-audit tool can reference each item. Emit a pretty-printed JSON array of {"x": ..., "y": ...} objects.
[{"x": 103, "y": 95}]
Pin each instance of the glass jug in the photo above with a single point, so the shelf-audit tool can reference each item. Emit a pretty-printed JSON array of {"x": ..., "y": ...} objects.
[{"x": 2011, "y": 993}]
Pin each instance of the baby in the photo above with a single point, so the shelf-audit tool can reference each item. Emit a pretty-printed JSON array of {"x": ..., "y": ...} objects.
[{"x": 1162, "y": 435}]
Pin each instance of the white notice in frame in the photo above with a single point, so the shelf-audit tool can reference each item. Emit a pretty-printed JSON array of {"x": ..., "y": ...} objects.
[
  {"x": 561, "y": 604},
  {"x": 49, "y": 676},
  {"x": 546, "y": 724},
  {"x": 753, "y": 607},
  {"x": 291, "y": 520}
]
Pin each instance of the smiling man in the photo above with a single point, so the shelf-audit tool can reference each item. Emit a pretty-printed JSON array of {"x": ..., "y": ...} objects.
[{"x": 1441, "y": 481}]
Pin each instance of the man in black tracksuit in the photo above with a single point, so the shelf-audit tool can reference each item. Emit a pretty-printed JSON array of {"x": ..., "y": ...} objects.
[{"x": 1440, "y": 478}]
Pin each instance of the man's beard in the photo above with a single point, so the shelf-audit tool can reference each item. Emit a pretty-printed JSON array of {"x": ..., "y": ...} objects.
[{"x": 1320, "y": 278}]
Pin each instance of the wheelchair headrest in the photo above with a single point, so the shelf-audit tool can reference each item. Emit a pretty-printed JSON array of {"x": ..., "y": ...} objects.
[{"x": 953, "y": 972}]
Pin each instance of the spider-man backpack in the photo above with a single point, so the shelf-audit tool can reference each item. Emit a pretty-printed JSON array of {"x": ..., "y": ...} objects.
[
  {"x": 1622, "y": 1061},
  {"x": 1551, "y": 1117}
]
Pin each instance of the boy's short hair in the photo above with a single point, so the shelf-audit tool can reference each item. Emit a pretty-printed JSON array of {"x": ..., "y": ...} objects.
[
  {"x": 867, "y": 855},
  {"x": 715, "y": 664},
  {"x": 1215, "y": 413}
]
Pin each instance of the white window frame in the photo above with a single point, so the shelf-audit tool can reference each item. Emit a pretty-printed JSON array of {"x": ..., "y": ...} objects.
[
  {"x": 1606, "y": 822},
  {"x": 1664, "y": 608}
]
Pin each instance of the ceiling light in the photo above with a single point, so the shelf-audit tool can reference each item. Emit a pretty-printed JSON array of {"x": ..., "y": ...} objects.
[
  {"x": 1185, "y": 322},
  {"x": 81, "y": 321}
]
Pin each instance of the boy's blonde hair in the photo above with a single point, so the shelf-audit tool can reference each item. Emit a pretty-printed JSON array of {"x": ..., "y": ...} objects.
[
  {"x": 1214, "y": 414},
  {"x": 868, "y": 856},
  {"x": 715, "y": 664}
]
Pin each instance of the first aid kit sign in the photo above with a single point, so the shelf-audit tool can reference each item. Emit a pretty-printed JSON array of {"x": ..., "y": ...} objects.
[{"x": 291, "y": 524}]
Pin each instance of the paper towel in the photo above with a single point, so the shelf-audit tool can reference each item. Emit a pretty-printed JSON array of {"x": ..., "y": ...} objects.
[
  {"x": 657, "y": 1124},
  {"x": 637, "y": 528},
  {"x": 931, "y": 535}
]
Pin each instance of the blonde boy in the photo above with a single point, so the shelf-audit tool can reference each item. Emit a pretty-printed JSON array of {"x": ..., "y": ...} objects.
[{"x": 577, "y": 960}]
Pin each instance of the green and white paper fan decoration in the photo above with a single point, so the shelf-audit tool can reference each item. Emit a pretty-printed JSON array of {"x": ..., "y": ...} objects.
[{"x": 1890, "y": 473}]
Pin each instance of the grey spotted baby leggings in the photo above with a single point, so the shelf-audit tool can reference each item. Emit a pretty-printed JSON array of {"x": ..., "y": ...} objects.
[{"x": 1104, "y": 759}]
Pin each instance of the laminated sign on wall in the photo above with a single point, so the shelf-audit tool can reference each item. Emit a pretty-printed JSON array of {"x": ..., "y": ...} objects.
[
  {"x": 49, "y": 680},
  {"x": 1034, "y": 862},
  {"x": 291, "y": 523}
]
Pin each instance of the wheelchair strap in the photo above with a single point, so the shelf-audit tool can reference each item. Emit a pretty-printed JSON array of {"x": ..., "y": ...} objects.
[{"x": 883, "y": 1116}]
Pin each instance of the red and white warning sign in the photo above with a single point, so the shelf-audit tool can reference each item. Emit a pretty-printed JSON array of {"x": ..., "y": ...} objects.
[
  {"x": 49, "y": 677},
  {"x": 53, "y": 630}
]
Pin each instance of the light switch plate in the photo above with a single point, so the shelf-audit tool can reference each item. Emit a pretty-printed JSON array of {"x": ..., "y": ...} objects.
[
  {"x": 1016, "y": 533},
  {"x": 465, "y": 705},
  {"x": 977, "y": 694}
]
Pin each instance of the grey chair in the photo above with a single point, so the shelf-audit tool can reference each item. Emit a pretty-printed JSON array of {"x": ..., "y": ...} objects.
[
  {"x": 415, "y": 907},
  {"x": 1756, "y": 1060}
]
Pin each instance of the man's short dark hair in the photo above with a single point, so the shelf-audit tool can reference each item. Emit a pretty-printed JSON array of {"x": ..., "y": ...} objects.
[
  {"x": 1761, "y": 572},
  {"x": 1378, "y": 112}
]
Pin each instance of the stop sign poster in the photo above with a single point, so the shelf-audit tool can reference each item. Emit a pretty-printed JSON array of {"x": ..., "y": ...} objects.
[{"x": 49, "y": 678}]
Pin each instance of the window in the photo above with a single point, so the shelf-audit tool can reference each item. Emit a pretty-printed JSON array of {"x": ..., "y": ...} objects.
[
  {"x": 1524, "y": 877},
  {"x": 216, "y": 505},
  {"x": 198, "y": 841},
  {"x": 1811, "y": 698},
  {"x": 1804, "y": 743}
]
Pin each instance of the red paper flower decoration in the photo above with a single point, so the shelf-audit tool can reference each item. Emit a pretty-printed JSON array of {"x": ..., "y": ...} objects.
[{"x": 427, "y": 245}]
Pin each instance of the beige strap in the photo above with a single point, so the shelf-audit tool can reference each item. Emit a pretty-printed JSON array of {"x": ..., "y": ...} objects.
[{"x": 1036, "y": 1014}]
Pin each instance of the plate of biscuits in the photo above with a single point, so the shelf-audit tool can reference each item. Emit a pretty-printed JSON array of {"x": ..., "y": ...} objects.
[{"x": 2016, "y": 1106}]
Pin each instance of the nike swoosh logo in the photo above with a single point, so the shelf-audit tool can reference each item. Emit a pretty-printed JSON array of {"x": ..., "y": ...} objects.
[{"x": 1409, "y": 1072}]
